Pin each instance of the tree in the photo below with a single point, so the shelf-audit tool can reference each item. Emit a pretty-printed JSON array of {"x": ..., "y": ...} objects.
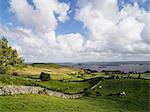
[
  {"x": 44, "y": 76},
  {"x": 9, "y": 59}
]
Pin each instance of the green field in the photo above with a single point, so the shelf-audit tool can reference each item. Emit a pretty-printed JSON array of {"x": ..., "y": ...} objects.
[{"x": 136, "y": 100}]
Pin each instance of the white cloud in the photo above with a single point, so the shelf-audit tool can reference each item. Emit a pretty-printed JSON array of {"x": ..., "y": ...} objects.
[
  {"x": 113, "y": 34},
  {"x": 43, "y": 48},
  {"x": 113, "y": 31},
  {"x": 71, "y": 42},
  {"x": 42, "y": 18}
]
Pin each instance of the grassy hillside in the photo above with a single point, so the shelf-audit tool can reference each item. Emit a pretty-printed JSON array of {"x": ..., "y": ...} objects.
[
  {"x": 57, "y": 72},
  {"x": 66, "y": 87},
  {"x": 135, "y": 101},
  {"x": 71, "y": 80}
]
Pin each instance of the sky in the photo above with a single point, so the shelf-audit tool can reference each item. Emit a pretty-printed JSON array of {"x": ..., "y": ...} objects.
[{"x": 77, "y": 30}]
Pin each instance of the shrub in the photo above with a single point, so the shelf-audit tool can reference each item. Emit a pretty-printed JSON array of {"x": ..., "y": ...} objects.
[
  {"x": 102, "y": 78},
  {"x": 139, "y": 76},
  {"x": 87, "y": 91},
  {"x": 79, "y": 76},
  {"x": 44, "y": 76},
  {"x": 14, "y": 73},
  {"x": 98, "y": 93}
]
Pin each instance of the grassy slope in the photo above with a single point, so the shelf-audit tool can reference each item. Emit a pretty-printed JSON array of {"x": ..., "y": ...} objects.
[
  {"x": 137, "y": 98},
  {"x": 57, "y": 72},
  {"x": 66, "y": 87},
  {"x": 39, "y": 103},
  {"x": 135, "y": 101},
  {"x": 29, "y": 76},
  {"x": 137, "y": 93}
]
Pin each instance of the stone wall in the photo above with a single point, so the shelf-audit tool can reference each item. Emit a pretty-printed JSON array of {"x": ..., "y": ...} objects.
[
  {"x": 14, "y": 90},
  {"x": 94, "y": 86}
]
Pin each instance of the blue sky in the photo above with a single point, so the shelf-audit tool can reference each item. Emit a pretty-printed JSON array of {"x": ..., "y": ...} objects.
[
  {"x": 71, "y": 26},
  {"x": 76, "y": 24},
  {"x": 142, "y": 3}
]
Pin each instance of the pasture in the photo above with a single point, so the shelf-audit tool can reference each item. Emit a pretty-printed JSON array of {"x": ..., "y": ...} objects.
[{"x": 67, "y": 80}]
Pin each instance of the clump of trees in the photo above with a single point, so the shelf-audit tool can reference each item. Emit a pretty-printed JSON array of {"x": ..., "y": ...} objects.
[
  {"x": 9, "y": 58},
  {"x": 44, "y": 76}
]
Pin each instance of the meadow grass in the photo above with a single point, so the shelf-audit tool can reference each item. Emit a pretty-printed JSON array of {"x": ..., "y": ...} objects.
[
  {"x": 57, "y": 85},
  {"x": 65, "y": 79},
  {"x": 137, "y": 100},
  {"x": 57, "y": 73}
]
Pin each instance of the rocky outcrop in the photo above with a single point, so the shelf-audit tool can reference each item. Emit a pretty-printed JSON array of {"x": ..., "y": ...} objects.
[{"x": 14, "y": 90}]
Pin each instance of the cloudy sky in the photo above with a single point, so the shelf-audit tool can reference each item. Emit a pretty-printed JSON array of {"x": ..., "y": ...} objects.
[{"x": 77, "y": 30}]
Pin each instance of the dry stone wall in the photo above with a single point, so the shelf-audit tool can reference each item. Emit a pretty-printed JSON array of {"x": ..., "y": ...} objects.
[{"x": 14, "y": 90}]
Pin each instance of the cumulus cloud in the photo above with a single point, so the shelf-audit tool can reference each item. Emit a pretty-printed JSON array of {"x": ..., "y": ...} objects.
[
  {"x": 113, "y": 31},
  {"x": 46, "y": 47},
  {"x": 35, "y": 39},
  {"x": 42, "y": 17},
  {"x": 113, "y": 34}
]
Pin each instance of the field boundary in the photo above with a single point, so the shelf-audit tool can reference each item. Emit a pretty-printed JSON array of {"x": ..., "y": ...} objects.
[{"x": 15, "y": 90}]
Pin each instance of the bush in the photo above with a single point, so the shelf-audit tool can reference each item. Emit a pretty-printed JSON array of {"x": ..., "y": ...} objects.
[
  {"x": 15, "y": 74},
  {"x": 44, "y": 76},
  {"x": 98, "y": 93},
  {"x": 87, "y": 91}
]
